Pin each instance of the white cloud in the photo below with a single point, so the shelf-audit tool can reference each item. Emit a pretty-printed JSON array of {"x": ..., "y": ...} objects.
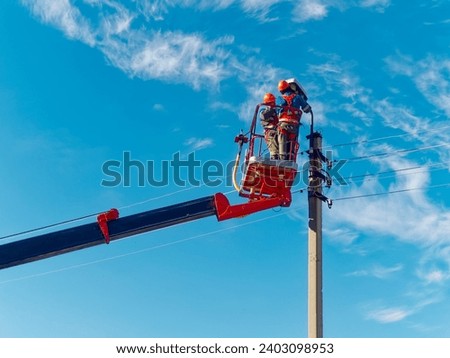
[
  {"x": 431, "y": 76},
  {"x": 158, "y": 107},
  {"x": 388, "y": 315},
  {"x": 64, "y": 16},
  {"x": 199, "y": 143},
  {"x": 117, "y": 22},
  {"x": 309, "y": 10},
  {"x": 256, "y": 86},
  {"x": 306, "y": 10},
  {"x": 260, "y": 8},
  {"x": 175, "y": 56},
  {"x": 341, "y": 236},
  {"x": 406, "y": 216},
  {"x": 172, "y": 56},
  {"x": 434, "y": 266},
  {"x": 409, "y": 217},
  {"x": 385, "y": 314},
  {"x": 435, "y": 276},
  {"x": 157, "y": 9},
  {"x": 378, "y": 271},
  {"x": 379, "y": 5},
  {"x": 338, "y": 78}
]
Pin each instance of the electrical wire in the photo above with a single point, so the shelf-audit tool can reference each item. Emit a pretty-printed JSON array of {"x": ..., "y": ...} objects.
[
  {"x": 392, "y": 192},
  {"x": 65, "y": 222},
  {"x": 384, "y": 138},
  {"x": 147, "y": 249},
  {"x": 433, "y": 167},
  {"x": 70, "y": 221},
  {"x": 48, "y": 226},
  {"x": 386, "y": 154},
  {"x": 366, "y": 141},
  {"x": 396, "y": 175},
  {"x": 156, "y": 198}
]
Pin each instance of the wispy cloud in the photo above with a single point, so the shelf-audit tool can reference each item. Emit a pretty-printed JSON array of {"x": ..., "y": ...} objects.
[
  {"x": 434, "y": 266},
  {"x": 158, "y": 107},
  {"x": 443, "y": 22},
  {"x": 388, "y": 315},
  {"x": 64, "y": 16},
  {"x": 259, "y": 8},
  {"x": 378, "y": 271},
  {"x": 431, "y": 76},
  {"x": 259, "y": 84},
  {"x": 133, "y": 38},
  {"x": 411, "y": 217},
  {"x": 171, "y": 55},
  {"x": 342, "y": 236},
  {"x": 199, "y": 143},
  {"x": 306, "y": 10},
  {"x": 316, "y": 10},
  {"x": 379, "y": 5},
  {"x": 435, "y": 276},
  {"x": 406, "y": 216},
  {"x": 157, "y": 10}
]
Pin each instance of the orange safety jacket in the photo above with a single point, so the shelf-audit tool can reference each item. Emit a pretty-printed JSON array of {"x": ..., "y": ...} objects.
[{"x": 290, "y": 113}]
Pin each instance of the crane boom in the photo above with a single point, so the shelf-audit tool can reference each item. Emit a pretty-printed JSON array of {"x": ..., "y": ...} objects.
[
  {"x": 110, "y": 227},
  {"x": 84, "y": 236}
]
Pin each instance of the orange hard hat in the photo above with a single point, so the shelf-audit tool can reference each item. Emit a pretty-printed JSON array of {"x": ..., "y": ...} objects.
[
  {"x": 283, "y": 85},
  {"x": 269, "y": 98}
]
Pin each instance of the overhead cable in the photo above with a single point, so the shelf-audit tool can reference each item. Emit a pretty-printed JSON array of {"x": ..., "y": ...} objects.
[
  {"x": 386, "y": 137},
  {"x": 433, "y": 167},
  {"x": 386, "y": 154},
  {"x": 392, "y": 192}
]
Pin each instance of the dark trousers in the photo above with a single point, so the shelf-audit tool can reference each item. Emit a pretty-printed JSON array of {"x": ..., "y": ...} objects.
[{"x": 287, "y": 140}]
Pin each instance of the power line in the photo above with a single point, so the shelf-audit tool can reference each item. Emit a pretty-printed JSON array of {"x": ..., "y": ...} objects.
[
  {"x": 149, "y": 248},
  {"x": 383, "y": 138},
  {"x": 48, "y": 226},
  {"x": 386, "y": 154},
  {"x": 393, "y": 192},
  {"x": 363, "y": 141},
  {"x": 433, "y": 166},
  {"x": 190, "y": 188},
  {"x": 65, "y": 222},
  {"x": 155, "y": 198}
]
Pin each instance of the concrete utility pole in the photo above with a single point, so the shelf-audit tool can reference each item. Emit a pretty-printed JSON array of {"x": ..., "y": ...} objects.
[{"x": 315, "y": 198}]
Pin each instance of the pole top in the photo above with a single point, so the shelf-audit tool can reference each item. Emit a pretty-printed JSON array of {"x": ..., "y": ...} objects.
[{"x": 314, "y": 135}]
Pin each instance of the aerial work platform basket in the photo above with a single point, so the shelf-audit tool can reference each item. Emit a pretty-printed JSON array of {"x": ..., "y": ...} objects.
[{"x": 263, "y": 178}]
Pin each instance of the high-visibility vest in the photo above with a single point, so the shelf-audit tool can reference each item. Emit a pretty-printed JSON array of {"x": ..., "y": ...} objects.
[{"x": 290, "y": 113}]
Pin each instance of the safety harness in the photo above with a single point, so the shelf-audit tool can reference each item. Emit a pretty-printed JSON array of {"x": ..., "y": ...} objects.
[{"x": 290, "y": 113}]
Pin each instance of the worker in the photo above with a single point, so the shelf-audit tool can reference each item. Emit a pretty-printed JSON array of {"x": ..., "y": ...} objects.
[
  {"x": 269, "y": 121},
  {"x": 292, "y": 101}
]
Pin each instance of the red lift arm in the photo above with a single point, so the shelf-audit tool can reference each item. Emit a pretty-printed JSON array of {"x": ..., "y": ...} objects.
[{"x": 110, "y": 227}]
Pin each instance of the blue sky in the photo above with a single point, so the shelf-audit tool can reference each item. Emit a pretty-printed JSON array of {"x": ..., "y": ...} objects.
[{"x": 83, "y": 81}]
